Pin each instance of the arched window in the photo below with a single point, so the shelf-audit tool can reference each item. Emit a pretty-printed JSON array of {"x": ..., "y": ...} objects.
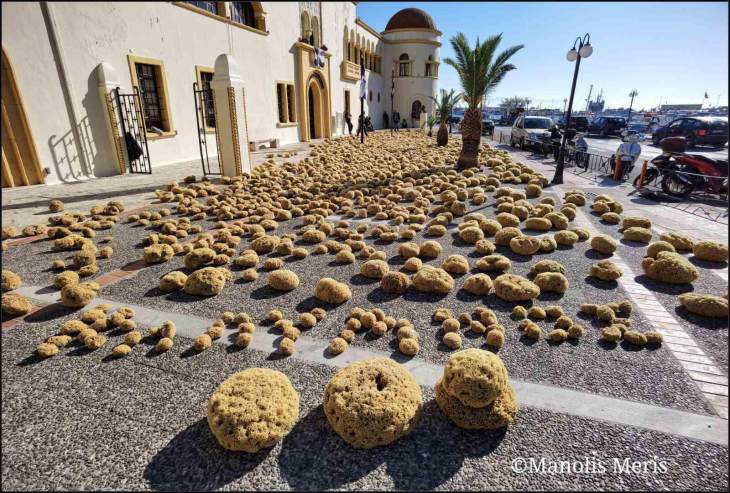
[
  {"x": 429, "y": 70},
  {"x": 243, "y": 13},
  {"x": 306, "y": 27},
  {"x": 316, "y": 41},
  {"x": 404, "y": 65},
  {"x": 416, "y": 109}
]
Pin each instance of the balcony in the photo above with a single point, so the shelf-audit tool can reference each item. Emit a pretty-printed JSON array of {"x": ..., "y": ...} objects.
[{"x": 350, "y": 70}]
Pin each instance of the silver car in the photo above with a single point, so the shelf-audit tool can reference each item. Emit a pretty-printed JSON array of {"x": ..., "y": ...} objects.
[{"x": 529, "y": 130}]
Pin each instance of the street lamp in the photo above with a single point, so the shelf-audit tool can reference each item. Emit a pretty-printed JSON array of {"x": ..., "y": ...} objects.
[
  {"x": 632, "y": 95},
  {"x": 584, "y": 50}
]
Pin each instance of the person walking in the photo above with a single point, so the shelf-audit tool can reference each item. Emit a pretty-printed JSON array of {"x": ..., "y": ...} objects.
[
  {"x": 396, "y": 120},
  {"x": 348, "y": 121},
  {"x": 385, "y": 120}
]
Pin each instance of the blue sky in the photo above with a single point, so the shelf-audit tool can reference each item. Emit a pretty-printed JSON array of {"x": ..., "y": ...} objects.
[{"x": 669, "y": 51}]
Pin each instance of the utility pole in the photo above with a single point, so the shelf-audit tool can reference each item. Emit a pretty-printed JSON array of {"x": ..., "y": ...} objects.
[
  {"x": 392, "y": 93},
  {"x": 588, "y": 99}
]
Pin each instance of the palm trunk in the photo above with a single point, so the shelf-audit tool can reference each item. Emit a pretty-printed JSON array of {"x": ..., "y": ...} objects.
[
  {"x": 471, "y": 135},
  {"x": 442, "y": 136}
]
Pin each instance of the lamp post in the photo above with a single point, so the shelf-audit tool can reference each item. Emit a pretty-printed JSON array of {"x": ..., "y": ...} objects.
[
  {"x": 363, "y": 91},
  {"x": 574, "y": 55},
  {"x": 632, "y": 95}
]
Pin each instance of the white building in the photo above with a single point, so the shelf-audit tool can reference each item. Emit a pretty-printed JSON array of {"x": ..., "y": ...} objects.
[{"x": 61, "y": 62}]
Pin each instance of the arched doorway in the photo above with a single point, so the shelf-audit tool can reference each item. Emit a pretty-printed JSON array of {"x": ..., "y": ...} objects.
[
  {"x": 416, "y": 109},
  {"x": 20, "y": 164},
  {"x": 315, "y": 109}
]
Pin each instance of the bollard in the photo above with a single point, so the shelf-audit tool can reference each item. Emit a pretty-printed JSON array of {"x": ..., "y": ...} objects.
[
  {"x": 643, "y": 173},
  {"x": 617, "y": 170}
]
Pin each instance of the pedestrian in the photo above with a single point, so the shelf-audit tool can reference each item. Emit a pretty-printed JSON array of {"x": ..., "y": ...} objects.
[
  {"x": 385, "y": 120},
  {"x": 348, "y": 121},
  {"x": 362, "y": 125},
  {"x": 396, "y": 120}
]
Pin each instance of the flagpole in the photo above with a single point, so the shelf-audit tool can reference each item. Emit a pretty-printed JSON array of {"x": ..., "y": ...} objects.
[{"x": 362, "y": 101}]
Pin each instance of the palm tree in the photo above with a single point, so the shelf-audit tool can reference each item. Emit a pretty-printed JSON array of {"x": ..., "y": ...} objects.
[
  {"x": 444, "y": 106},
  {"x": 480, "y": 70}
]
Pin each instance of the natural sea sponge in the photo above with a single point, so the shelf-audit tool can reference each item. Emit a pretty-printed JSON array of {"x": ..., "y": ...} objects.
[
  {"x": 345, "y": 257},
  {"x": 604, "y": 244},
  {"x": 557, "y": 335},
  {"x": 525, "y": 245},
  {"x": 452, "y": 340},
  {"x": 198, "y": 257},
  {"x": 611, "y": 334},
  {"x": 636, "y": 233},
  {"x": 478, "y": 284},
  {"x": 313, "y": 236},
  {"x": 158, "y": 253},
  {"x": 471, "y": 234},
  {"x": 450, "y": 325},
  {"x": 95, "y": 341},
  {"x": 611, "y": 218},
  {"x": 248, "y": 258},
  {"x": 538, "y": 224},
  {"x": 374, "y": 269},
  {"x": 373, "y": 403},
  {"x": 681, "y": 242},
  {"x": 56, "y": 206},
  {"x": 566, "y": 238},
  {"x": 519, "y": 312},
  {"x": 46, "y": 350},
  {"x": 606, "y": 270},
  {"x": 456, "y": 264},
  {"x": 265, "y": 244},
  {"x": 59, "y": 341},
  {"x": 507, "y": 220},
  {"x": 653, "y": 337},
  {"x": 671, "y": 268},
  {"x": 510, "y": 287},
  {"x": 505, "y": 235},
  {"x": 10, "y": 280},
  {"x": 338, "y": 345},
  {"x": 430, "y": 249},
  {"x": 408, "y": 345},
  {"x": 485, "y": 247},
  {"x": 65, "y": 278},
  {"x": 14, "y": 304},
  {"x": 547, "y": 266},
  {"x": 537, "y": 313},
  {"x": 332, "y": 291},
  {"x": 172, "y": 281},
  {"x": 710, "y": 251},
  {"x": 554, "y": 311},
  {"x": 208, "y": 281},
  {"x": 533, "y": 331},
  {"x": 433, "y": 280},
  {"x": 252, "y": 410},
  {"x": 442, "y": 314},
  {"x": 495, "y": 339},
  {"x": 494, "y": 263},
  {"x": 408, "y": 250},
  {"x": 636, "y": 221},
  {"x": 283, "y": 280},
  {"x": 499, "y": 413},
  {"x": 705, "y": 305},
  {"x": 475, "y": 377},
  {"x": 77, "y": 295},
  {"x": 658, "y": 246},
  {"x": 552, "y": 281},
  {"x": 575, "y": 331},
  {"x": 634, "y": 337},
  {"x": 395, "y": 282}
]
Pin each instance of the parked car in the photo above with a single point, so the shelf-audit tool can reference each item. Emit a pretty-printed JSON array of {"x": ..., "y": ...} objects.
[
  {"x": 579, "y": 123},
  {"x": 639, "y": 129},
  {"x": 487, "y": 126},
  {"x": 607, "y": 125},
  {"x": 702, "y": 130},
  {"x": 530, "y": 130}
]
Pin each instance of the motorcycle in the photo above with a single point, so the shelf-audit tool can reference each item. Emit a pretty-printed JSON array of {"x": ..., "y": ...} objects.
[{"x": 681, "y": 173}]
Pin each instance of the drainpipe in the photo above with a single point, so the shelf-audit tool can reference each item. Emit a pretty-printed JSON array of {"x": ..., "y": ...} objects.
[{"x": 59, "y": 56}]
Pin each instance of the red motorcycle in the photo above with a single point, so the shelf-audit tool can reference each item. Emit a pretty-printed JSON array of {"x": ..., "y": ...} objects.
[{"x": 681, "y": 173}]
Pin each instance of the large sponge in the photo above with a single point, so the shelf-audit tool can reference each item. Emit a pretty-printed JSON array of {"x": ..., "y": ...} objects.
[
  {"x": 253, "y": 409},
  {"x": 510, "y": 287},
  {"x": 372, "y": 403},
  {"x": 475, "y": 377},
  {"x": 705, "y": 305},
  {"x": 670, "y": 267}
]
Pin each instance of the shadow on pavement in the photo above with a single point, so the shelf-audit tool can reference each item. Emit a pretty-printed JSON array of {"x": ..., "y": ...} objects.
[
  {"x": 194, "y": 461},
  {"x": 435, "y": 441}
]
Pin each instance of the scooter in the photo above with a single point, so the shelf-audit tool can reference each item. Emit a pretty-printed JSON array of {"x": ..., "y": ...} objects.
[{"x": 682, "y": 173}]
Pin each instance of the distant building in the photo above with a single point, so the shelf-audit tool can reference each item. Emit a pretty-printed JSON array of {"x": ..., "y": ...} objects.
[{"x": 681, "y": 107}]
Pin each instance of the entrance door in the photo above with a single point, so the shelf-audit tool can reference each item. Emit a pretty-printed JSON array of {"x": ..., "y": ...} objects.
[
  {"x": 20, "y": 165},
  {"x": 312, "y": 110}
]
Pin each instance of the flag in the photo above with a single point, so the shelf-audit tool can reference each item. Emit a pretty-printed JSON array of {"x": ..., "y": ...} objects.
[{"x": 363, "y": 89}]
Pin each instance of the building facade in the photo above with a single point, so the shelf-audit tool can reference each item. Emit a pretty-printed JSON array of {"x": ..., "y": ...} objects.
[{"x": 298, "y": 64}]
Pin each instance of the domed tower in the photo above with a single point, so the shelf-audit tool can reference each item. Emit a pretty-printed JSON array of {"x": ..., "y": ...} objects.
[{"x": 413, "y": 46}]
